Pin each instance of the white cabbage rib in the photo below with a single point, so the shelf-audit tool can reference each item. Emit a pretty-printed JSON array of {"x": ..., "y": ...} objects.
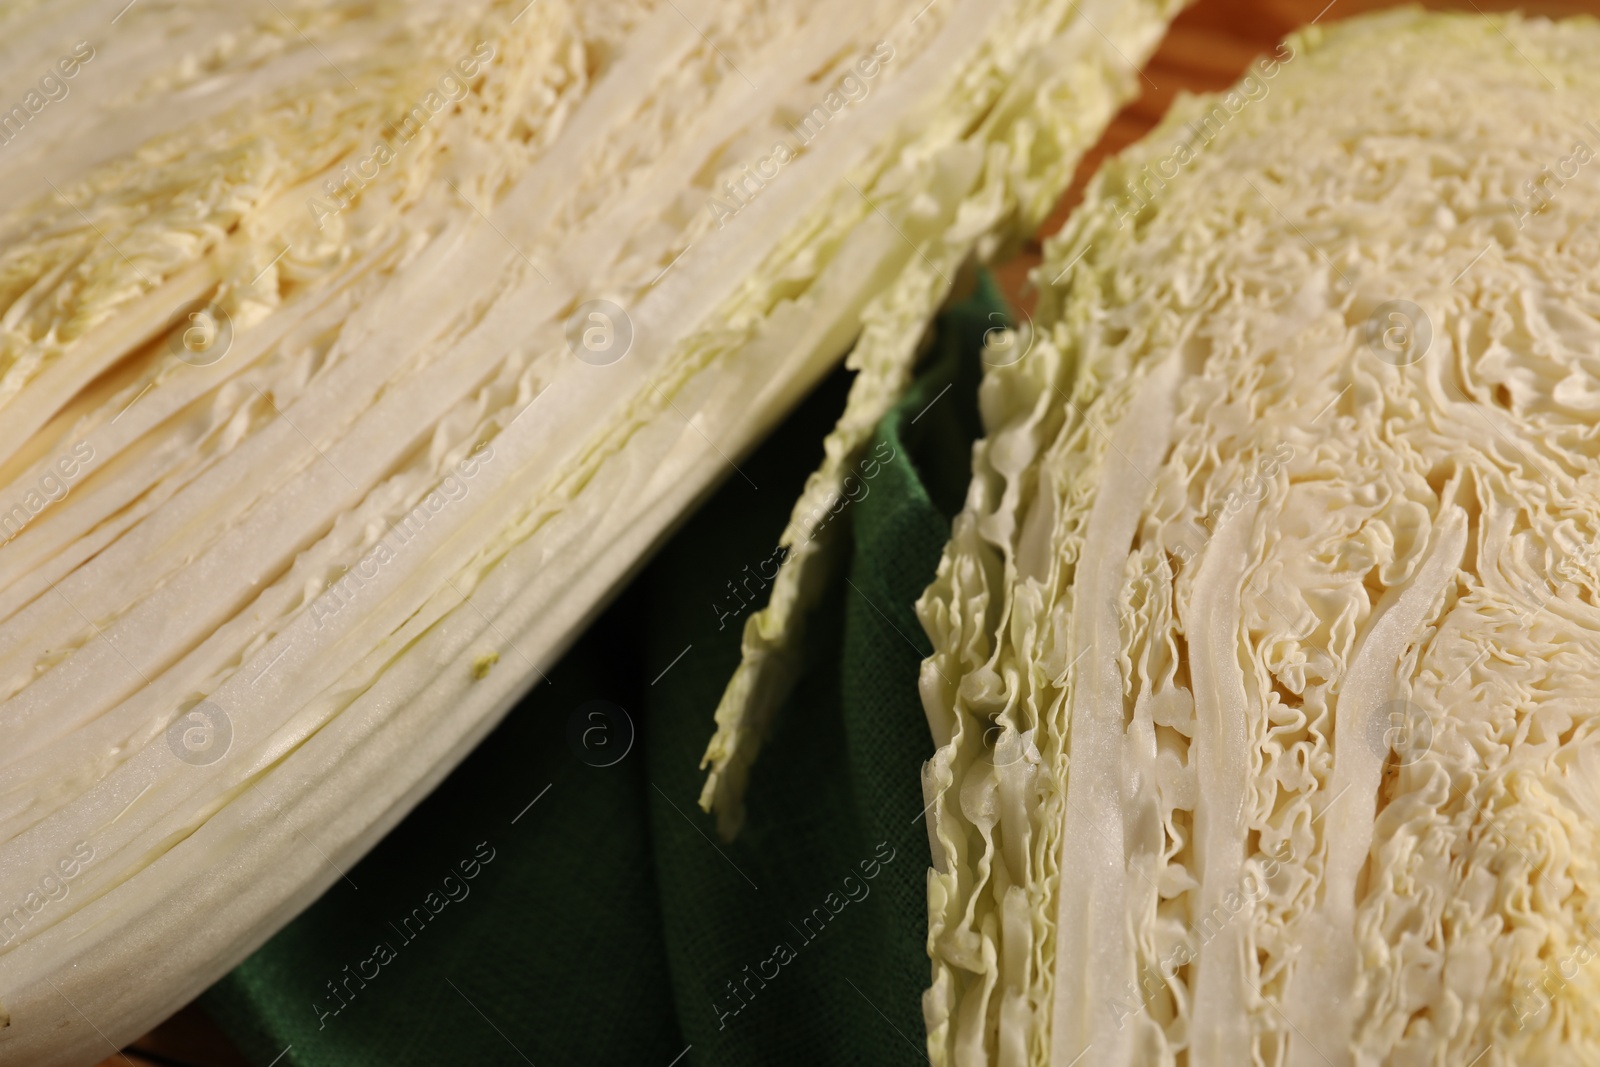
[
  {"x": 1265, "y": 653},
  {"x": 1071, "y": 67},
  {"x": 399, "y": 470}
]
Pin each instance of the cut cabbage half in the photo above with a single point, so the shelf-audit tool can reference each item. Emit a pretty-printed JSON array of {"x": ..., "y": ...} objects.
[
  {"x": 351, "y": 353},
  {"x": 1267, "y": 668}
]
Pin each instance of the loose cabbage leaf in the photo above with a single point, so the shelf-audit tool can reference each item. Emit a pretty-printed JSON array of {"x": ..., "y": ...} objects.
[{"x": 1012, "y": 130}]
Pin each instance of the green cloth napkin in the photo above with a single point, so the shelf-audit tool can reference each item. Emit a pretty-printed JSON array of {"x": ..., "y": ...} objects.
[{"x": 560, "y": 899}]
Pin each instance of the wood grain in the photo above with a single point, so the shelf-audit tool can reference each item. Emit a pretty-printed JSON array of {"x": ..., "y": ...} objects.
[{"x": 1207, "y": 49}]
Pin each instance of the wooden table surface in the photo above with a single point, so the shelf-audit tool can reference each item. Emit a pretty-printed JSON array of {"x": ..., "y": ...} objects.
[{"x": 1207, "y": 49}]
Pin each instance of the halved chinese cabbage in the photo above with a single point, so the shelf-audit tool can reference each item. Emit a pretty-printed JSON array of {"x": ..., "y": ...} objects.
[
  {"x": 352, "y": 352},
  {"x": 1267, "y": 669}
]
